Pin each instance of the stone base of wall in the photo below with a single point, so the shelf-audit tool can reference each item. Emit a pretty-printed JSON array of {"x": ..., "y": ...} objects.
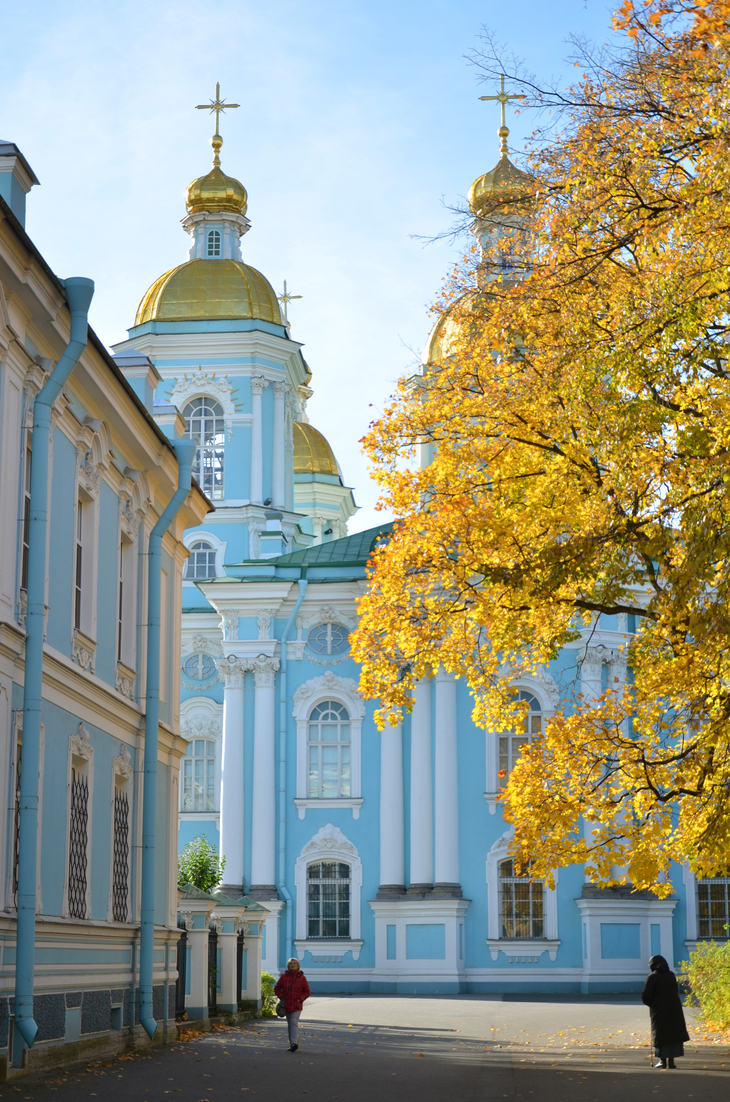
[{"x": 47, "y": 1056}]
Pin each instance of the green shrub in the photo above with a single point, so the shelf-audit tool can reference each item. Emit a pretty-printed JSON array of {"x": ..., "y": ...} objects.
[
  {"x": 707, "y": 975},
  {"x": 268, "y": 998},
  {"x": 200, "y": 865}
]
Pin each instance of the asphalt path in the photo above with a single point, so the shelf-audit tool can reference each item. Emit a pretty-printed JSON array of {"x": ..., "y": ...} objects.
[{"x": 409, "y": 1049}]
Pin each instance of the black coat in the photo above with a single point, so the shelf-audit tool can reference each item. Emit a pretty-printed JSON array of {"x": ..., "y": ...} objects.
[{"x": 661, "y": 995}]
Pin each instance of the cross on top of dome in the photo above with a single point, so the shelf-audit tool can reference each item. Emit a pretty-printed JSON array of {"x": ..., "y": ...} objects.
[{"x": 216, "y": 105}]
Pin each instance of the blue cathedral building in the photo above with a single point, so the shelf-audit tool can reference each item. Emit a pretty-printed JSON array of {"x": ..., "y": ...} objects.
[{"x": 381, "y": 858}]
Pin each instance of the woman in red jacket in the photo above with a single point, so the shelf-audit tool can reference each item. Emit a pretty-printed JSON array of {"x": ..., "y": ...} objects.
[{"x": 292, "y": 989}]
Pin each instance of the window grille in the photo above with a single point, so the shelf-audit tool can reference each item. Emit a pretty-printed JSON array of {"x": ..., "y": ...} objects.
[
  {"x": 120, "y": 873},
  {"x": 201, "y": 563},
  {"x": 26, "y": 522},
  {"x": 520, "y": 904},
  {"x": 329, "y": 751},
  {"x": 510, "y": 745},
  {"x": 199, "y": 666},
  {"x": 206, "y": 425},
  {"x": 214, "y": 243},
  {"x": 199, "y": 776},
  {"x": 79, "y": 566},
  {"x": 77, "y": 881},
  {"x": 328, "y": 639},
  {"x": 328, "y": 899},
  {"x": 16, "y": 820},
  {"x": 713, "y": 907}
]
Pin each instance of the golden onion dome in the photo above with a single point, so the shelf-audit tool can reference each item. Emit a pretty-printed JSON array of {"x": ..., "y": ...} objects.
[
  {"x": 210, "y": 290},
  {"x": 216, "y": 192},
  {"x": 312, "y": 453},
  {"x": 505, "y": 179},
  {"x": 462, "y": 317}
]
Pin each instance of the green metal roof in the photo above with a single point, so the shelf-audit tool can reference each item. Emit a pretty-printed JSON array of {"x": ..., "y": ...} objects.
[{"x": 351, "y": 549}]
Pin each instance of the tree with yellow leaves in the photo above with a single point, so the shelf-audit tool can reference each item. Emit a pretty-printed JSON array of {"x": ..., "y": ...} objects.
[{"x": 574, "y": 432}]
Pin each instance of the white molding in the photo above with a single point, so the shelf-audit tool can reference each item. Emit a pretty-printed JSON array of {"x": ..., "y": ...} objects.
[
  {"x": 498, "y": 853},
  {"x": 690, "y": 902},
  {"x": 523, "y": 950},
  {"x": 328, "y": 949},
  {"x": 343, "y": 802},
  {"x": 329, "y": 844},
  {"x": 544, "y": 687},
  {"x": 329, "y": 687},
  {"x": 202, "y": 717}
]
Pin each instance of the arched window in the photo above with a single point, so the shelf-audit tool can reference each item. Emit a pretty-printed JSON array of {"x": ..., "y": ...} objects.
[
  {"x": 511, "y": 744},
  {"x": 213, "y": 247},
  {"x": 201, "y": 563},
  {"x": 521, "y": 908},
  {"x": 328, "y": 639},
  {"x": 206, "y": 426},
  {"x": 713, "y": 907},
  {"x": 328, "y": 899},
  {"x": 198, "y": 787},
  {"x": 329, "y": 751}
]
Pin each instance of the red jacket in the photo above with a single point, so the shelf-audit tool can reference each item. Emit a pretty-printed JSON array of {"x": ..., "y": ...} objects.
[{"x": 292, "y": 990}]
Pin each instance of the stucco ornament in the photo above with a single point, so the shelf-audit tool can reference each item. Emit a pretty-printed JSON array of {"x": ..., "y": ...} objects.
[
  {"x": 200, "y": 384},
  {"x": 329, "y": 682},
  {"x": 82, "y": 656},
  {"x": 80, "y": 743},
  {"x": 329, "y": 837},
  {"x": 123, "y": 763},
  {"x": 196, "y": 643},
  {"x": 229, "y": 623}
]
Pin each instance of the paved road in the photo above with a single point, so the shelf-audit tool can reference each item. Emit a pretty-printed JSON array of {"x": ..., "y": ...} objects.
[{"x": 366, "y": 1048}]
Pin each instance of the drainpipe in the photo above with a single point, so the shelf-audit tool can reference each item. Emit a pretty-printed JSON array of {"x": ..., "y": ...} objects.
[
  {"x": 185, "y": 452},
  {"x": 281, "y": 884},
  {"x": 79, "y": 292}
]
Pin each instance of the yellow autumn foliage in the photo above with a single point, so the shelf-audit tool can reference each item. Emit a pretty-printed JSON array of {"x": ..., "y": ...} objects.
[{"x": 578, "y": 444}]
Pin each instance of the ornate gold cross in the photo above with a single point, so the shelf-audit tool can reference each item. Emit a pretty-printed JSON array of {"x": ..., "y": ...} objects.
[
  {"x": 502, "y": 99},
  {"x": 216, "y": 105},
  {"x": 285, "y": 299}
]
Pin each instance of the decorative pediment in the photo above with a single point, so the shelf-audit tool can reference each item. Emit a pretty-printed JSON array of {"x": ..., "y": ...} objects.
[
  {"x": 123, "y": 763},
  {"x": 201, "y": 384},
  {"x": 80, "y": 744},
  {"x": 328, "y": 839},
  {"x": 329, "y": 684}
]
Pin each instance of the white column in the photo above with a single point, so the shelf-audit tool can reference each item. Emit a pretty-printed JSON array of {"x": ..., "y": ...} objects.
[
  {"x": 264, "y": 804},
  {"x": 258, "y": 383},
  {"x": 232, "y": 673},
  {"x": 446, "y": 788},
  {"x": 392, "y": 828},
  {"x": 421, "y": 788},
  {"x": 278, "y": 478}
]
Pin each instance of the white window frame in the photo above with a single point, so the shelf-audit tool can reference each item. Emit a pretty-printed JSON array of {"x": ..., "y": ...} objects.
[
  {"x": 81, "y": 758},
  {"x": 218, "y": 240},
  {"x": 547, "y": 694},
  {"x": 328, "y": 844},
  {"x": 309, "y": 694},
  {"x": 522, "y": 949},
  {"x": 320, "y": 744},
  {"x": 188, "y": 436},
  {"x": 219, "y": 546},
  {"x": 122, "y": 780},
  {"x": 202, "y": 717}
]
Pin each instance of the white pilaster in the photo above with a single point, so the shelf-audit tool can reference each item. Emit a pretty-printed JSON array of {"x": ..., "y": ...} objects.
[
  {"x": 446, "y": 788},
  {"x": 278, "y": 478},
  {"x": 392, "y": 835},
  {"x": 232, "y": 674},
  {"x": 421, "y": 788},
  {"x": 258, "y": 384},
  {"x": 263, "y": 830}
]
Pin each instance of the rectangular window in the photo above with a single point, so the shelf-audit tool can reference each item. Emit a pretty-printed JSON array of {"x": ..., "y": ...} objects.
[
  {"x": 120, "y": 882},
  {"x": 25, "y": 534},
  {"x": 520, "y": 904},
  {"x": 510, "y": 745},
  {"x": 78, "y": 577},
  {"x": 713, "y": 909},
  {"x": 79, "y": 836},
  {"x": 328, "y": 899},
  {"x": 198, "y": 789},
  {"x": 120, "y": 610}
]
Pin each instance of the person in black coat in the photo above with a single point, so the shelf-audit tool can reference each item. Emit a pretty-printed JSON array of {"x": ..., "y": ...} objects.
[{"x": 668, "y": 1028}]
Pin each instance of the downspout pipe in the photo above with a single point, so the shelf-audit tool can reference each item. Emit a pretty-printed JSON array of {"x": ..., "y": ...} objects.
[
  {"x": 79, "y": 292},
  {"x": 281, "y": 882},
  {"x": 185, "y": 452}
]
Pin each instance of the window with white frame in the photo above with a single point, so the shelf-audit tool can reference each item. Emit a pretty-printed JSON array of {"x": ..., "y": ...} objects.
[
  {"x": 198, "y": 788},
  {"x": 25, "y": 522},
  {"x": 713, "y": 907},
  {"x": 510, "y": 744},
  {"x": 201, "y": 563},
  {"x": 78, "y": 873},
  {"x": 328, "y": 639},
  {"x": 329, "y": 751},
  {"x": 521, "y": 906},
  {"x": 126, "y": 602},
  {"x": 199, "y": 666},
  {"x": 206, "y": 426},
  {"x": 328, "y": 899},
  {"x": 79, "y": 566},
  {"x": 213, "y": 243}
]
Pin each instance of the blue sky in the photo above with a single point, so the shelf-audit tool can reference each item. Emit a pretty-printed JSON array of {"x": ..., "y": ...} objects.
[{"x": 358, "y": 121}]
